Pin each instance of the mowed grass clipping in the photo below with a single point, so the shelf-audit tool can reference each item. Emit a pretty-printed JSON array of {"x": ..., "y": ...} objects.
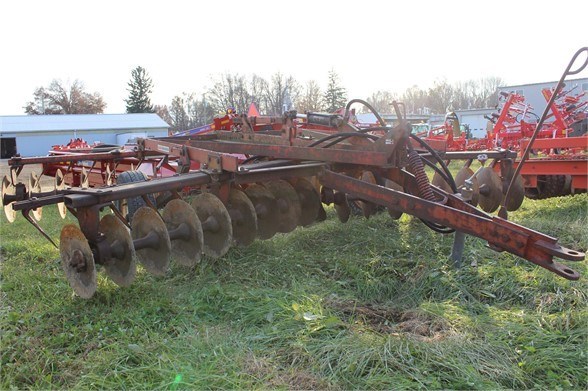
[{"x": 371, "y": 304}]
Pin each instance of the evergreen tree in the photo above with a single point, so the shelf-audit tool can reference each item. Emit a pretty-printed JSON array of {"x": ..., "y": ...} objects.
[
  {"x": 335, "y": 95},
  {"x": 139, "y": 89}
]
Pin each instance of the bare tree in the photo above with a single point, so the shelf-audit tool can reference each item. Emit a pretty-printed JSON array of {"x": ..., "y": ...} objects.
[
  {"x": 311, "y": 98},
  {"x": 199, "y": 111},
  {"x": 380, "y": 101},
  {"x": 163, "y": 113},
  {"x": 280, "y": 94},
  {"x": 60, "y": 99},
  {"x": 257, "y": 89},
  {"x": 229, "y": 91},
  {"x": 440, "y": 96},
  {"x": 415, "y": 99}
]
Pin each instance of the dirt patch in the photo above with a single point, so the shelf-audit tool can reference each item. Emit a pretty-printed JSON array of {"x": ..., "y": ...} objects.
[
  {"x": 274, "y": 376},
  {"x": 388, "y": 320}
]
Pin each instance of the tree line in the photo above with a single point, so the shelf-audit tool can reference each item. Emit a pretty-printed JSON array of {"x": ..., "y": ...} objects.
[{"x": 272, "y": 96}]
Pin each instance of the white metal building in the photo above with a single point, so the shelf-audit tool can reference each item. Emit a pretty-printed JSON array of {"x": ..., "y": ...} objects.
[
  {"x": 34, "y": 135},
  {"x": 474, "y": 118}
]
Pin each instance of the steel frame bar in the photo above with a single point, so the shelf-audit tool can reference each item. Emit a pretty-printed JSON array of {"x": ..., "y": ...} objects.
[{"x": 501, "y": 234}]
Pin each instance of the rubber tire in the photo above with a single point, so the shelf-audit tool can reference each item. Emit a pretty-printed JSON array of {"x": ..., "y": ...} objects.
[{"x": 133, "y": 203}]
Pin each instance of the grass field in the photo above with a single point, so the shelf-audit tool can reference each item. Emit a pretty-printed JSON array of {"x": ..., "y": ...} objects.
[{"x": 371, "y": 304}]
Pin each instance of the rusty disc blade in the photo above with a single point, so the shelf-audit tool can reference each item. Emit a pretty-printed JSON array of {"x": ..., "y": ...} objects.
[
  {"x": 186, "y": 250},
  {"x": 154, "y": 260},
  {"x": 367, "y": 208},
  {"x": 289, "y": 208},
  {"x": 216, "y": 224},
  {"x": 490, "y": 189},
  {"x": 517, "y": 193},
  {"x": 124, "y": 269},
  {"x": 464, "y": 174},
  {"x": 440, "y": 183},
  {"x": 342, "y": 207},
  {"x": 77, "y": 261},
  {"x": 266, "y": 209},
  {"x": 310, "y": 201},
  {"x": 60, "y": 185},
  {"x": 35, "y": 187},
  {"x": 322, "y": 214},
  {"x": 394, "y": 214},
  {"x": 108, "y": 175},
  {"x": 8, "y": 189},
  {"x": 243, "y": 218},
  {"x": 84, "y": 179}
]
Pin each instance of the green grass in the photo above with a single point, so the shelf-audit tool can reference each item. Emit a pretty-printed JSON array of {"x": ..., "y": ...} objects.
[{"x": 371, "y": 304}]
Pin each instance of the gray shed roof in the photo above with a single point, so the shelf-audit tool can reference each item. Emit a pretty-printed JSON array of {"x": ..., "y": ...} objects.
[{"x": 79, "y": 122}]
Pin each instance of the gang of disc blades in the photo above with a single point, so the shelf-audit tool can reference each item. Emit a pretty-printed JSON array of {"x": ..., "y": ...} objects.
[
  {"x": 75, "y": 252},
  {"x": 154, "y": 259},
  {"x": 124, "y": 269},
  {"x": 187, "y": 251}
]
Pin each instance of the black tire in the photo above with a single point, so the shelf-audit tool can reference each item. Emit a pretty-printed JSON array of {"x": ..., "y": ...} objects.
[{"x": 134, "y": 203}]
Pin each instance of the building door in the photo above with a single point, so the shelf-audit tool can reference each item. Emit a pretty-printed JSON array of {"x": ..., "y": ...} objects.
[{"x": 7, "y": 147}]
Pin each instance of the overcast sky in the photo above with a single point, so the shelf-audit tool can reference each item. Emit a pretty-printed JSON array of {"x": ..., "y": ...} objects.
[{"x": 372, "y": 45}]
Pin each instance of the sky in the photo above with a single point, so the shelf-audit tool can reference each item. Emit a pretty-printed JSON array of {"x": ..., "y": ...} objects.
[{"x": 371, "y": 45}]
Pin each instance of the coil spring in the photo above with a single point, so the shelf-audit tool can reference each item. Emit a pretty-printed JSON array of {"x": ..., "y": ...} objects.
[{"x": 416, "y": 164}]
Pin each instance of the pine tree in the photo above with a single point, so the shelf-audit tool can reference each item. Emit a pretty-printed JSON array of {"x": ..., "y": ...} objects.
[
  {"x": 139, "y": 89},
  {"x": 335, "y": 95}
]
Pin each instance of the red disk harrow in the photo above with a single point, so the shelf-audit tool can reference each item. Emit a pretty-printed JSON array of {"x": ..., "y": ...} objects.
[{"x": 260, "y": 176}]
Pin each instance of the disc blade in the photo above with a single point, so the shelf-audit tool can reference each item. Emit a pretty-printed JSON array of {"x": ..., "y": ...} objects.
[
  {"x": 35, "y": 187},
  {"x": 124, "y": 269},
  {"x": 367, "y": 208},
  {"x": 216, "y": 224},
  {"x": 108, "y": 175},
  {"x": 289, "y": 208},
  {"x": 342, "y": 207},
  {"x": 440, "y": 183},
  {"x": 75, "y": 252},
  {"x": 84, "y": 179},
  {"x": 154, "y": 260},
  {"x": 266, "y": 209},
  {"x": 490, "y": 189},
  {"x": 394, "y": 214},
  {"x": 517, "y": 194},
  {"x": 464, "y": 174},
  {"x": 310, "y": 201},
  {"x": 8, "y": 189},
  {"x": 60, "y": 185},
  {"x": 186, "y": 250},
  {"x": 243, "y": 218}
]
